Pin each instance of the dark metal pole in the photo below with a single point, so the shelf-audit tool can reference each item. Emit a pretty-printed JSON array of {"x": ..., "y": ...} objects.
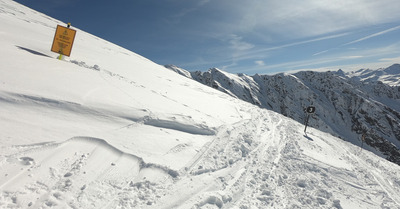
[
  {"x": 310, "y": 110},
  {"x": 308, "y": 117}
]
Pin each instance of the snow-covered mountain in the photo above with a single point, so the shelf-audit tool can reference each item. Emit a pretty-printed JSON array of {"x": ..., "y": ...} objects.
[
  {"x": 347, "y": 105},
  {"x": 108, "y": 128},
  {"x": 390, "y": 75}
]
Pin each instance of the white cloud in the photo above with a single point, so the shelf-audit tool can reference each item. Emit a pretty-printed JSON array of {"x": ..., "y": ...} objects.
[
  {"x": 293, "y": 18},
  {"x": 238, "y": 44},
  {"x": 260, "y": 63},
  {"x": 351, "y": 57},
  {"x": 264, "y": 29},
  {"x": 257, "y": 53},
  {"x": 203, "y": 2},
  {"x": 321, "y": 52},
  {"x": 177, "y": 17},
  {"x": 391, "y": 60},
  {"x": 374, "y": 35}
]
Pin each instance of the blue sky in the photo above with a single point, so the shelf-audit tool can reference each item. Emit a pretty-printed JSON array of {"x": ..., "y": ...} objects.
[{"x": 253, "y": 36}]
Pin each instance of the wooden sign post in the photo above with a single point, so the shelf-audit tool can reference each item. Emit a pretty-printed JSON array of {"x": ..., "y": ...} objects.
[{"x": 63, "y": 40}]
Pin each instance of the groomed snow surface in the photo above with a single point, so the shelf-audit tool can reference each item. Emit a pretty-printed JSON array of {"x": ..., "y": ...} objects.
[{"x": 107, "y": 128}]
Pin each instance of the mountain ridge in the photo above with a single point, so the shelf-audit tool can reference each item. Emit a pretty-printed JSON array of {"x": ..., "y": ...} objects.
[
  {"x": 389, "y": 75},
  {"x": 348, "y": 105}
]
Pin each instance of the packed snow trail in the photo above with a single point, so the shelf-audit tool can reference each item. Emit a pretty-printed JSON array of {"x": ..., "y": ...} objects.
[{"x": 267, "y": 162}]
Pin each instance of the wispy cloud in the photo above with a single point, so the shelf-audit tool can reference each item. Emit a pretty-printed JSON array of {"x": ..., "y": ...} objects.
[
  {"x": 304, "y": 42},
  {"x": 321, "y": 52},
  {"x": 257, "y": 52},
  {"x": 315, "y": 17},
  {"x": 236, "y": 35},
  {"x": 354, "y": 60},
  {"x": 390, "y": 60},
  {"x": 259, "y": 63},
  {"x": 184, "y": 11},
  {"x": 237, "y": 43},
  {"x": 373, "y": 35},
  {"x": 360, "y": 39},
  {"x": 241, "y": 50},
  {"x": 311, "y": 64},
  {"x": 351, "y": 57}
]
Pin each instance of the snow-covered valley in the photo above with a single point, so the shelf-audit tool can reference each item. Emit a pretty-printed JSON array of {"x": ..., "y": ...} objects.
[{"x": 108, "y": 128}]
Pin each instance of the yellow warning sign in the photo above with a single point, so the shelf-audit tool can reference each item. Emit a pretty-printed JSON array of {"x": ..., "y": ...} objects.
[{"x": 63, "y": 40}]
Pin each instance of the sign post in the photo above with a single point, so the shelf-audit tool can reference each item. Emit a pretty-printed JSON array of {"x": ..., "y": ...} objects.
[
  {"x": 310, "y": 110},
  {"x": 63, "y": 40}
]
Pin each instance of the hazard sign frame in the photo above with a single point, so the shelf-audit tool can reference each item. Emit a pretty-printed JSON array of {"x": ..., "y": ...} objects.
[{"x": 63, "y": 40}]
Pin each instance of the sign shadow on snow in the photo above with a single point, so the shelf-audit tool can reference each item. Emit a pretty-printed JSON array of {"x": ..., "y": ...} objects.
[
  {"x": 309, "y": 138},
  {"x": 32, "y": 51}
]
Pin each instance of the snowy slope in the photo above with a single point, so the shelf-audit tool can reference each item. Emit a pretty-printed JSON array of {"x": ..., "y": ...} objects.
[
  {"x": 107, "y": 128},
  {"x": 345, "y": 107}
]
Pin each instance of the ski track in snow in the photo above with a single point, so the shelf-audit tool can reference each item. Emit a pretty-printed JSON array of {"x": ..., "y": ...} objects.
[
  {"x": 263, "y": 161},
  {"x": 273, "y": 170},
  {"x": 229, "y": 154}
]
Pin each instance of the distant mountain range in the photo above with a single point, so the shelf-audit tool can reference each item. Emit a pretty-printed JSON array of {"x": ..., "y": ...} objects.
[
  {"x": 348, "y": 104},
  {"x": 389, "y": 76}
]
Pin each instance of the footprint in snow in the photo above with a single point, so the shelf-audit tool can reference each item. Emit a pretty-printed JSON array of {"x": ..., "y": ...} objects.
[{"x": 26, "y": 161}]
